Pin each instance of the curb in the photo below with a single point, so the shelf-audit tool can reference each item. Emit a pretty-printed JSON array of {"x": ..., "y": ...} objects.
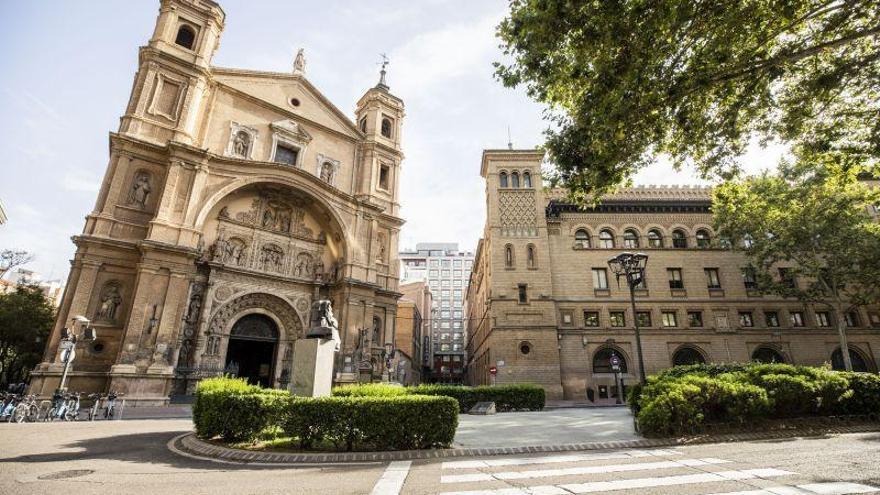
[{"x": 190, "y": 446}]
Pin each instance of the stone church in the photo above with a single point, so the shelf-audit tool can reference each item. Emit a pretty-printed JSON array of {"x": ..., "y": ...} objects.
[{"x": 232, "y": 200}]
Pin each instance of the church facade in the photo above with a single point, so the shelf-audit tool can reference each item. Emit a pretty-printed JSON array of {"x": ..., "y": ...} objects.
[
  {"x": 233, "y": 199},
  {"x": 544, "y": 307}
]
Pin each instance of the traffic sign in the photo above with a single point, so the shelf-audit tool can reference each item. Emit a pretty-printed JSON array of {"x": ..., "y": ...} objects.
[{"x": 493, "y": 370}]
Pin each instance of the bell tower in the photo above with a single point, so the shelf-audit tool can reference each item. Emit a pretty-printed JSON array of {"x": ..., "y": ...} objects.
[
  {"x": 379, "y": 117},
  {"x": 172, "y": 78}
]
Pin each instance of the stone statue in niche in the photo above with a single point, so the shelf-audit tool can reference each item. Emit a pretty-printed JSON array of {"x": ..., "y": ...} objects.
[
  {"x": 382, "y": 248},
  {"x": 241, "y": 144},
  {"x": 195, "y": 306},
  {"x": 283, "y": 223},
  {"x": 140, "y": 190},
  {"x": 184, "y": 354},
  {"x": 268, "y": 219},
  {"x": 236, "y": 251},
  {"x": 224, "y": 212},
  {"x": 219, "y": 249},
  {"x": 323, "y": 325},
  {"x": 327, "y": 172},
  {"x": 110, "y": 302}
]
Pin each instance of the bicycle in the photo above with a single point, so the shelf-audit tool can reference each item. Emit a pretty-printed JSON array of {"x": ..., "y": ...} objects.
[
  {"x": 110, "y": 407},
  {"x": 93, "y": 410},
  {"x": 10, "y": 403},
  {"x": 59, "y": 407},
  {"x": 72, "y": 412},
  {"x": 27, "y": 410}
]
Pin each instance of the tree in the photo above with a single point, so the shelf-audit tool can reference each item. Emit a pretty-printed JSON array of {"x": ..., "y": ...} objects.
[
  {"x": 26, "y": 317},
  {"x": 627, "y": 80},
  {"x": 11, "y": 258},
  {"x": 813, "y": 220}
]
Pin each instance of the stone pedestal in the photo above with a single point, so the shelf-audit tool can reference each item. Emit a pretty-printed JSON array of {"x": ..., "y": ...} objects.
[{"x": 313, "y": 367}]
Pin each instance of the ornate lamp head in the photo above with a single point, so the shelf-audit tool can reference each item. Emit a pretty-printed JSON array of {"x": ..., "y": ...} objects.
[{"x": 630, "y": 265}]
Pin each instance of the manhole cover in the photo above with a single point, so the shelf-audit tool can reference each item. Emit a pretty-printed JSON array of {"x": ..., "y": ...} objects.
[{"x": 63, "y": 475}]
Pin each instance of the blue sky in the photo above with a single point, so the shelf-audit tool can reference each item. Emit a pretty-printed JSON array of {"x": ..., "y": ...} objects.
[{"x": 67, "y": 69}]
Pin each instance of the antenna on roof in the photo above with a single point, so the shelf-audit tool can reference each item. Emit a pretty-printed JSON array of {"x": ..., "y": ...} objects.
[{"x": 509, "y": 141}]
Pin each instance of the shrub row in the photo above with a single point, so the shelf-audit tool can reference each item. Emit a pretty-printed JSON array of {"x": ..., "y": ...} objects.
[
  {"x": 522, "y": 397},
  {"x": 231, "y": 409},
  {"x": 683, "y": 399},
  {"x": 235, "y": 411},
  {"x": 374, "y": 422}
]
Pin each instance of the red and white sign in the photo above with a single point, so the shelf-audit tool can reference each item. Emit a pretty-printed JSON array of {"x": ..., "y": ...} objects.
[{"x": 493, "y": 371}]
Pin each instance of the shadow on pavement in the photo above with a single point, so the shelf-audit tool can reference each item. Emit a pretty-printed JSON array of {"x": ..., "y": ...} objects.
[{"x": 140, "y": 448}]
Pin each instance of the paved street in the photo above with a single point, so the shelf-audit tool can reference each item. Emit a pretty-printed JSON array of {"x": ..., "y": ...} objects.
[{"x": 131, "y": 457}]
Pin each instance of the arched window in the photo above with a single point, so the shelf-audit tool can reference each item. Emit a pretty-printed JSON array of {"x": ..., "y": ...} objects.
[
  {"x": 508, "y": 256},
  {"x": 186, "y": 36},
  {"x": 527, "y": 179},
  {"x": 765, "y": 354},
  {"x": 386, "y": 127},
  {"x": 703, "y": 238},
  {"x": 630, "y": 239},
  {"x": 687, "y": 355},
  {"x": 530, "y": 256},
  {"x": 514, "y": 180},
  {"x": 606, "y": 239},
  {"x": 655, "y": 238},
  {"x": 503, "y": 178},
  {"x": 582, "y": 238},
  {"x": 602, "y": 361},
  {"x": 679, "y": 239},
  {"x": 859, "y": 363}
]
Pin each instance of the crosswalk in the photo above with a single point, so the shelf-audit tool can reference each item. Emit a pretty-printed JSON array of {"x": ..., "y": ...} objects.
[{"x": 632, "y": 471}]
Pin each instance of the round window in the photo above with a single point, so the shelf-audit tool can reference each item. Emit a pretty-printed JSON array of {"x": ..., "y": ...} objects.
[
  {"x": 98, "y": 347},
  {"x": 525, "y": 348},
  {"x": 294, "y": 102}
]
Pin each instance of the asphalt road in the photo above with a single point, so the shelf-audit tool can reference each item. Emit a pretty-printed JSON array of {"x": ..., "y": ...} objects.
[{"x": 131, "y": 457}]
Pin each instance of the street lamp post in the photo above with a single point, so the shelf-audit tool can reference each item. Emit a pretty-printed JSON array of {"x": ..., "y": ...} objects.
[
  {"x": 632, "y": 267},
  {"x": 615, "y": 367},
  {"x": 68, "y": 344},
  {"x": 389, "y": 358}
]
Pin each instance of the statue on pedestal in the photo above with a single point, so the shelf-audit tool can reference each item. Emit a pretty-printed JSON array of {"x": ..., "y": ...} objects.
[{"x": 323, "y": 325}]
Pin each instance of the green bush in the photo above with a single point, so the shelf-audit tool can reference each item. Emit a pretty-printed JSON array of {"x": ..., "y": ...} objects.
[
  {"x": 519, "y": 397},
  {"x": 374, "y": 422},
  {"x": 370, "y": 389},
  {"x": 682, "y": 399},
  {"x": 235, "y": 411}
]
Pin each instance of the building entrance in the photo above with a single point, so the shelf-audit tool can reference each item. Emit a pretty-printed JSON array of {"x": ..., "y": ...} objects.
[{"x": 251, "y": 352}]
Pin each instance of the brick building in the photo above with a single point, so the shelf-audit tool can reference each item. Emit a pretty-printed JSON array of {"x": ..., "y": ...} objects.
[
  {"x": 543, "y": 307},
  {"x": 412, "y": 336}
]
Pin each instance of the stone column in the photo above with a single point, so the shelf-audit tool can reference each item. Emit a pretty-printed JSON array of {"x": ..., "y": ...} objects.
[{"x": 170, "y": 321}]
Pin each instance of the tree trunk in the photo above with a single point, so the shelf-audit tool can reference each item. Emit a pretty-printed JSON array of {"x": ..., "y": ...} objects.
[{"x": 841, "y": 332}]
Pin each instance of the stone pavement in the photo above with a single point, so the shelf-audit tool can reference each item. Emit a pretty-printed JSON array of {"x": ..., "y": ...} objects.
[{"x": 132, "y": 457}]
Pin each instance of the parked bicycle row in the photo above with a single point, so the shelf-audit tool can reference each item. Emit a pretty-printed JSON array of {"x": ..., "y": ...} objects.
[{"x": 64, "y": 406}]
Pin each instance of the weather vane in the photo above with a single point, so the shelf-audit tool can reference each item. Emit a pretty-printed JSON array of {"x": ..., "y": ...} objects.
[{"x": 383, "y": 63}]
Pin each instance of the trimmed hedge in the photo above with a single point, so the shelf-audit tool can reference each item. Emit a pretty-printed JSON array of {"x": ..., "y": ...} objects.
[
  {"x": 235, "y": 411},
  {"x": 521, "y": 397},
  {"x": 370, "y": 419},
  {"x": 402, "y": 422},
  {"x": 680, "y": 400}
]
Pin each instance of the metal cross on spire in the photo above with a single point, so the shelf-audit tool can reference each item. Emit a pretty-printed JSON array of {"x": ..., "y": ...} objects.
[{"x": 383, "y": 63}]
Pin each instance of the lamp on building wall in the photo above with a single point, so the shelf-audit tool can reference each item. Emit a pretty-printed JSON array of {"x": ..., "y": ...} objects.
[{"x": 632, "y": 267}]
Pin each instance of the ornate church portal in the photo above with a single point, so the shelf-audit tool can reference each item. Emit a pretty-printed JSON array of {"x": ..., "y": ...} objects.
[
  {"x": 233, "y": 199},
  {"x": 250, "y": 353}
]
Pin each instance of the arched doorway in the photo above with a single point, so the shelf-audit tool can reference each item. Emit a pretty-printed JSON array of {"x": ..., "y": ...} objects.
[
  {"x": 859, "y": 363},
  {"x": 251, "y": 352},
  {"x": 767, "y": 355},
  {"x": 686, "y": 355}
]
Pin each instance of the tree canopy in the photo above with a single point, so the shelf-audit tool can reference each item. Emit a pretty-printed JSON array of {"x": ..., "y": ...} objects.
[
  {"x": 26, "y": 317},
  {"x": 817, "y": 223},
  {"x": 626, "y": 80}
]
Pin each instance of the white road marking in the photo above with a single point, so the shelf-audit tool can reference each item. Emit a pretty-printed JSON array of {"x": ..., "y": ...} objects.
[
  {"x": 629, "y": 484},
  {"x": 830, "y": 488},
  {"x": 555, "y": 459},
  {"x": 392, "y": 479},
  {"x": 549, "y": 473}
]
